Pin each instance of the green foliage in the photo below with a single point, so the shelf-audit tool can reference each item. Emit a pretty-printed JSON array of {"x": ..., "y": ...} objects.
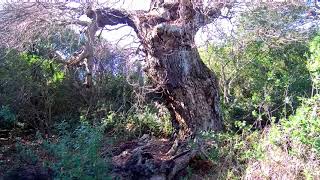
[
  {"x": 7, "y": 117},
  {"x": 231, "y": 152},
  {"x": 291, "y": 144},
  {"x": 313, "y": 63},
  {"x": 46, "y": 70},
  {"x": 304, "y": 126},
  {"x": 29, "y": 81},
  {"x": 137, "y": 123},
  {"x": 26, "y": 155},
  {"x": 282, "y": 71},
  {"x": 64, "y": 40},
  {"x": 113, "y": 94},
  {"x": 51, "y": 95},
  {"x": 262, "y": 70},
  {"x": 77, "y": 153},
  {"x": 260, "y": 82}
]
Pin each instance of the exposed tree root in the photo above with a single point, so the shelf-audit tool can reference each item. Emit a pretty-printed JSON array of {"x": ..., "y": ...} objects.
[{"x": 153, "y": 159}]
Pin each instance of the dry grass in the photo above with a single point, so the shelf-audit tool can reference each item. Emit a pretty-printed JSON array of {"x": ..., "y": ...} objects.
[{"x": 284, "y": 161}]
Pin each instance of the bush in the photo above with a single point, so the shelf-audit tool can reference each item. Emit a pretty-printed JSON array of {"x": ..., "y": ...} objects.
[
  {"x": 304, "y": 126},
  {"x": 287, "y": 149},
  {"x": 77, "y": 153},
  {"x": 231, "y": 152},
  {"x": 26, "y": 155},
  {"x": 137, "y": 123},
  {"x": 259, "y": 83},
  {"x": 292, "y": 146},
  {"x": 48, "y": 94},
  {"x": 7, "y": 117}
]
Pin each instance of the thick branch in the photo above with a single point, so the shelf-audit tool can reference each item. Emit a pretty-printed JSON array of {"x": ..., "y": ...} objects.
[{"x": 111, "y": 17}]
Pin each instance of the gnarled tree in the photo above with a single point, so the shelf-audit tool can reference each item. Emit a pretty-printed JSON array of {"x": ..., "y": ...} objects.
[{"x": 172, "y": 63}]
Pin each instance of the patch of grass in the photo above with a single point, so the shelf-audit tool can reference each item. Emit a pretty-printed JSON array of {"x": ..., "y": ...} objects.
[{"x": 77, "y": 153}]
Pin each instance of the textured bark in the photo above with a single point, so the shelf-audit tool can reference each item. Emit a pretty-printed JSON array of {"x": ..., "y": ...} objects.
[{"x": 189, "y": 88}]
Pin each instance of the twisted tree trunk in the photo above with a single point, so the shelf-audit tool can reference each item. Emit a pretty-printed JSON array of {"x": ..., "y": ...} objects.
[
  {"x": 189, "y": 88},
  {"x": 172, "y": 62}
]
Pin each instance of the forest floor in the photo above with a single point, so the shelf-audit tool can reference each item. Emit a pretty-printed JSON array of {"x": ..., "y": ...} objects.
[{"x": 22, "y": 156}]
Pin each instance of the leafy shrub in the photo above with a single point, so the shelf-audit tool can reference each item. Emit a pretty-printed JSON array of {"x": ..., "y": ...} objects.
[
  {"x": 231, "y": 152},
  {"x": 7, "y": 117},
  {"x": 291, "y": 147},
  {"x": 258, "y": 82},
  {"x": 26, "y": 155},
  {"x": 47, "y": 94},
  {"x": 286, "y": 149},
  {"x": 138, "y": 123},
  {"x": 77, "y": 153},
  {"x": 304, "y": 126},
  {"x": 31, "y": 81}
]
